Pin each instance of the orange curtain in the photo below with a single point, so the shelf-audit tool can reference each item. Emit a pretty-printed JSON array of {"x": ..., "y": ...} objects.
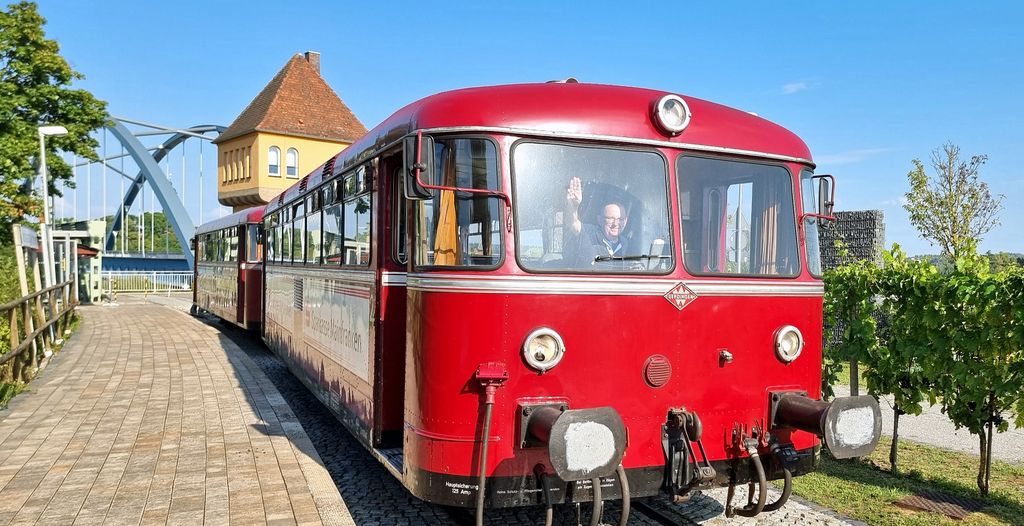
[
  {"x": 446, "y": 242},
  {"x": 446, "y": 238}
]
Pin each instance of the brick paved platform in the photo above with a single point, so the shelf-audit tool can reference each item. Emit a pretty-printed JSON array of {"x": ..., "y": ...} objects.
[{"x": 149, "y": 417}]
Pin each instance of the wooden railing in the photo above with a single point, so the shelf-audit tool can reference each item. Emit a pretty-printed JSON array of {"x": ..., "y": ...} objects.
[{"x": 35, "y": 326}]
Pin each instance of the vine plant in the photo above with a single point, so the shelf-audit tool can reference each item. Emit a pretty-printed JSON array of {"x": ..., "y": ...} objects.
[{"x": 953, "y": 339}]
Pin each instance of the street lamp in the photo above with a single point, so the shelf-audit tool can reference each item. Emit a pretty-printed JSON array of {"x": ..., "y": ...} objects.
[{"x": 45, "y": 131}]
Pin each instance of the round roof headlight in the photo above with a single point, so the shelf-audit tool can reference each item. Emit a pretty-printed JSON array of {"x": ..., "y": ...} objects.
[
  {"x": 788, "y": 343},
  {"x": 543, "y": 349},
  {"x": 672, "y": 114}
]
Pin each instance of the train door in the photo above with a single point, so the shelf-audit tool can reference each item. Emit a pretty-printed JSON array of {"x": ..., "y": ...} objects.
[
  {"x": 240, "y": 274},
  {"x": 390, "y": 336}
]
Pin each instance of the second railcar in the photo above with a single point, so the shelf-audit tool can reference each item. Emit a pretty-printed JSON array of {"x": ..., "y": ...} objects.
[{"x": 229, "y": 268}]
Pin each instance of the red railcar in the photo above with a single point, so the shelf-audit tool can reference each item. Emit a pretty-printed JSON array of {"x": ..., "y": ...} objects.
[
  {"x": 537, "y": 293},
  {"x": 229, "y": 268}
]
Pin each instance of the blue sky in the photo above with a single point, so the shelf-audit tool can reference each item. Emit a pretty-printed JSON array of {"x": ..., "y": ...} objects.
[{"x": 868, "y": 85}]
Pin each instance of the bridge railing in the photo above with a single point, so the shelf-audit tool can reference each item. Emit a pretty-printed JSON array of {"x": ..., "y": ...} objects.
[
  {"x": 147, "y": 282},
  {"x": 35, "y": 322}
]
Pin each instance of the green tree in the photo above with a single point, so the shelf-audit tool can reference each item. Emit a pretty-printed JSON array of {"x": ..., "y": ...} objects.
[
  {"x": 952, "y": 207},
  {"x": 1001, "y": 261},
  {"x": 35, "y": 90}
]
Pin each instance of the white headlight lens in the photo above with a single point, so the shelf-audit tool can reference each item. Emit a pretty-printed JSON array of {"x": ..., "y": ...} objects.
[
  {"x": 543, "y": 349},
  {"x": 673, "y": 115},
  {"x": 788, "y": 343}
]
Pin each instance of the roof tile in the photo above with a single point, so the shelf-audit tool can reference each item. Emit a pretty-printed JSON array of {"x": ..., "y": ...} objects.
[{"x": 297, "y": 101}]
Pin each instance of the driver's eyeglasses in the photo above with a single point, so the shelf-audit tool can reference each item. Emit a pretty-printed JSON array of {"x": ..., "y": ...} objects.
[{"x": 615, "y": 220}]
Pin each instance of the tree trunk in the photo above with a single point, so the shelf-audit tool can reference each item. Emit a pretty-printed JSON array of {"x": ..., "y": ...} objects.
[
  {"x": 983, "y": 464},
  {"x": 893, "y": 448}
]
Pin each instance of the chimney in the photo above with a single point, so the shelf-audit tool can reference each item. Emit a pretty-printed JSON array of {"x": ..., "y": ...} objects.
[{"x": 314, "y": 59}]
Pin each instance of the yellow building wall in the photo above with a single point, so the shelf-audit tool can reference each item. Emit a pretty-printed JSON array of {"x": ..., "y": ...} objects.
[{"x": 243, "y": 175}]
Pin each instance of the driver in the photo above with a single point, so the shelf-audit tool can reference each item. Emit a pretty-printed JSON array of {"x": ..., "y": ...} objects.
[{"x": 585, "y": 241}]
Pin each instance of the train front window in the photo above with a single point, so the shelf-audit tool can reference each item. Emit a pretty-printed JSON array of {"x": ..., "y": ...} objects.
[
  {"x": 461, "y": 228},
  {"x": 586, "y": 209},
  {"x": 738, "y": 218}
]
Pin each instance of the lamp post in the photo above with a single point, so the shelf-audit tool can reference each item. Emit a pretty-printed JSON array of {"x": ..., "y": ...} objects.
[{"x": 45, "y": 131}]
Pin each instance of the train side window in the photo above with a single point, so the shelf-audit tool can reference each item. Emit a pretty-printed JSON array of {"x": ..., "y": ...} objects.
[
  {"x": 253, "y": 244},
  {"x": 298, "y": 235},
  {"x": 811, "y": 241},
  {"x": 313, "y": 238},
  {"x": 460, "y": 228},
  {"x": 270, "y": 228},
  {"x": 233, "y": 245},
  {"x": 286, "y": 242},
  {"x": 332, "y": 225},
  {"x": 298, "y": 214},
  {"x": 356, "y": 223}
]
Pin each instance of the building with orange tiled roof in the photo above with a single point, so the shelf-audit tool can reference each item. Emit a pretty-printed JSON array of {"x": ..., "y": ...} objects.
[{"x": 295, "y": 123}]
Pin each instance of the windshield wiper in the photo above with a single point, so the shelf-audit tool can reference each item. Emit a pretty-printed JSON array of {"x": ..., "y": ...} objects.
[{"x": 631, "y": 258}]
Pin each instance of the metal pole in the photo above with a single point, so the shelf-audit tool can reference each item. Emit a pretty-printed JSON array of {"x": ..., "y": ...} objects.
[
  {"x": 152, "y": 222},
  {"x": 200, "y": 182},
  {"x": 74, "y": 268},
  {"x": 183, "y": 196},
  {"x": 88, "y": 191},
  {"x": 104, "y": 200},
  {"x": 142, "y": 231},
  {"x": 121, "y": 182},
  {"x": 74, "y": 191},
  {"x": 43, "y": 230}
]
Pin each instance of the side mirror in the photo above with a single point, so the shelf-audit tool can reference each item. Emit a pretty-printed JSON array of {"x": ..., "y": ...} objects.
[
  {"x": 826, "y": 195},
  {"x": 418, "y": 165}
]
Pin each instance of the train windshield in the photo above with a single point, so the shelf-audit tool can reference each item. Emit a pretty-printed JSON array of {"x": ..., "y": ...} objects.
[
  {"x": 738, "y": 218},
  {"x": 588, "y": 209}
]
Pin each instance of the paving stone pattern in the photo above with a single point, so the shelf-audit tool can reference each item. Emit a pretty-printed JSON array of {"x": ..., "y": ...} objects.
[{"x": 148, "y": 416}]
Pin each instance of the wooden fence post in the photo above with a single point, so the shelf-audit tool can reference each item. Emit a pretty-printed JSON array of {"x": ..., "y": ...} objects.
[
  {"x": 8, "y": 373},
  {"x": 33, "y": 360}
]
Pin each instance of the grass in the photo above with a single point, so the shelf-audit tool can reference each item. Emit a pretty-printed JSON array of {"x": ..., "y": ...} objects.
[
  {"x": 865, "y": 490},
  {"x": 844, "y": 375}
]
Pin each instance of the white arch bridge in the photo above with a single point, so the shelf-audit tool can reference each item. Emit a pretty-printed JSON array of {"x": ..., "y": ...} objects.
[{"x": 144, "y": 177}]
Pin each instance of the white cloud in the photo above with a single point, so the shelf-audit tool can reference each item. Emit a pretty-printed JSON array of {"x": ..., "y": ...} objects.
[
  {"x": 899, "y": 201},
  {"x": 794, "y": 87},
  {"x": 851, "y": 156}
]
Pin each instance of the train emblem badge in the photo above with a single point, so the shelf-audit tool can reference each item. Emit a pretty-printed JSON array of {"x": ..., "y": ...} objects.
[{"x": 680, "y": 296}]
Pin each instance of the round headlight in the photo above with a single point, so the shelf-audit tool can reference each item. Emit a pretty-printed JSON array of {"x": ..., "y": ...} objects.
[
  {"x": 672, "y": 114},
  {"x": 788, "y": 343},
  {"x": 543, "y": 349}
]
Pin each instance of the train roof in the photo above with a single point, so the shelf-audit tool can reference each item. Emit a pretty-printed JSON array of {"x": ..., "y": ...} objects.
[
  {"x": 574, "y": 110},
  {"x": 249, "y": 215}
]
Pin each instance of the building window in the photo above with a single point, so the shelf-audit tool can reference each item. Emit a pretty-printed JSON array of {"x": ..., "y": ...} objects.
[
  {"x": 292, "y": 163},
  {"x": 274, "y": 161},
  {"x": 226, "y": 165}
]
